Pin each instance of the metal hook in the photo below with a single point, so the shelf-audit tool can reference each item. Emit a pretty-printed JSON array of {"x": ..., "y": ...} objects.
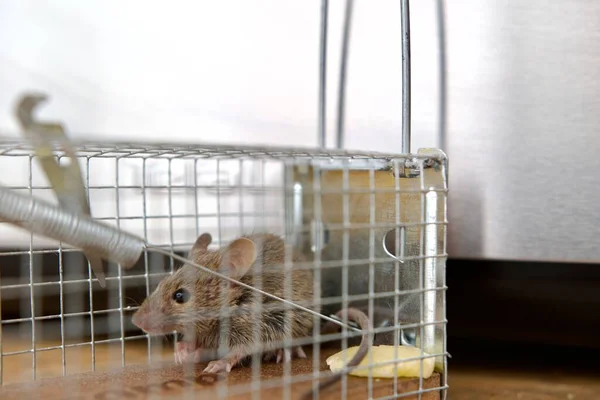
[
  {"x": 386, "y": 250},
  {"x": 66, "y": 181}
]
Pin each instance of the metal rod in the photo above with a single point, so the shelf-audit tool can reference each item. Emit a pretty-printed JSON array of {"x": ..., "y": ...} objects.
[
  {"x": 442, "y": 74},
  {"x": 442, "y": 120},
  {"x": 405, "y": 19},
  {"x": 1, "y": 348},
  {"x": 343, "y": 68},
  {"x": 323, "y": 74},
  {"x": 61, "y": 302},
  {"x": 120, "y": 270},
  {"x": 90, "y": 286},
  {"x": 31, "y": 280}
]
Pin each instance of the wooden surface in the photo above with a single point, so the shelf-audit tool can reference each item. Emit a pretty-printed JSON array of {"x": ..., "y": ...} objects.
[
  {"x": 513, "y": 384},
  {"x": 508, "y": 370},
  {"x": 162, "y": 378},
  {"x": 167, "y": 381},
  {"x": 172, "y": 382},
  {"x": 477, "y": 371}
]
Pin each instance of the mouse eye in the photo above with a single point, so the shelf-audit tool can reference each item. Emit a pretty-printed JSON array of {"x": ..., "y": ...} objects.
[{"x": 181, "y": 296}]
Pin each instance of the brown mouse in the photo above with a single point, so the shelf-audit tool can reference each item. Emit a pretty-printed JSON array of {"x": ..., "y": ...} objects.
[{"x": 191, "y": 302}]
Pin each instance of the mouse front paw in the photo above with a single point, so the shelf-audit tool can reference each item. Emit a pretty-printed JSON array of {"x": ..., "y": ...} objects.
[
  {"x": 226, "y": 363},
  {"x": 218, "y": 366},
  {"x": 286, "y": 355},
  {"x": 187, "y": 352}
]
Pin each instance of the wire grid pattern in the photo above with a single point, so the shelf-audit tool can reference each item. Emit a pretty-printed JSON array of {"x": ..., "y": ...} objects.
[{"x": 228, "y": 191}]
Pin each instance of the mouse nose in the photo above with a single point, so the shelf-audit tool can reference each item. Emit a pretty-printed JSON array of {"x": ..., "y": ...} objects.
[{"x": 138, "y": 320}]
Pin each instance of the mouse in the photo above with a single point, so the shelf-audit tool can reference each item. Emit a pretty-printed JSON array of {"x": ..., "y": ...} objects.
[{"x": 191, "y": 302}]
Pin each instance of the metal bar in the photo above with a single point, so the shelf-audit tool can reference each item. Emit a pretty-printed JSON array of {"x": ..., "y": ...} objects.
[
  {"x": 224, "y": 324},
  {"x": 119, "y": 269},
  {"x": 91, "y": 289},
  {"x": 371, "y": 305},
  {"x": 288, "y": 294},
  {"x": 300, "y": 342},
  {"x": 422, "y": 243},
  {"x": 444, "y": 311},
  {"x": 316, "y": 245},
  {"x": 170, "y": 205},
  {"x": 298, "y": 215},
  {"x": 406, "y": 97},
  {"x": 301, "y": 265},
  {"x": 323, "y": 75},
  {"x": 240, "y": 197},
  {"x": 343, "y": 69},
  {"x": 1, "y": 348},
  {"x": 441, "y": 24},
  {"x": 397, "y": 266},
  {"x": 180, "y": 216},
  {"x": 249, "y": 188},
  {"x": 430, "y": 271},
  {"x": 328, "y": 301},
  {"x": 205, "y": 152},
  {"x": 87, "y": 280},
  {"x": 258, "y": 307},
  {"x": 306, "y": 265},
  {"x": 146, "y": 271},
  {"x": 72, "y": 345},
  {"x": 61, "y": 297},
  {"x": 345, "y": 266},
  {"x": 31, "y": 290}
]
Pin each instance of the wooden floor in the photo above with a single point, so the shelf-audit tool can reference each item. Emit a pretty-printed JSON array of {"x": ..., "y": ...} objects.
[
  {"x": 483, "y": 369},
  {"x": 505, "y": 384},
  {"x": 18, "y": 368},
  {"x": 480, "y": 375}
]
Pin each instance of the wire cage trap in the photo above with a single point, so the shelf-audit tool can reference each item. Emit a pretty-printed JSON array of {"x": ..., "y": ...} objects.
[{"x": 371, "y": 228}]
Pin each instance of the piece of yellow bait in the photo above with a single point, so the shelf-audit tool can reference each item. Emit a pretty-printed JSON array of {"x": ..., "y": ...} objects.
[{"x": 391, "y": 356}]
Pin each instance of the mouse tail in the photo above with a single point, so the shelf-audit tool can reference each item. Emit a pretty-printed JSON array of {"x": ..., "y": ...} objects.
[{"x": 365, "y": 344}]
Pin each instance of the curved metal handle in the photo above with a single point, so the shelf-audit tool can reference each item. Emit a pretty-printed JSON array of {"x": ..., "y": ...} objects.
[
  {"x": 406, "y": 74},
  {"x": 406, "y": 94}
]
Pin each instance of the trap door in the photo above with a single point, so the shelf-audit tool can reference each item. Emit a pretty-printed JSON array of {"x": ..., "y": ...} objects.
[{"x": 377, "y": 229}]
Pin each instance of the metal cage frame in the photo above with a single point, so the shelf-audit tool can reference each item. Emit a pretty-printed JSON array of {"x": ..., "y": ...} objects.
[{"x": 305, "y": 177}]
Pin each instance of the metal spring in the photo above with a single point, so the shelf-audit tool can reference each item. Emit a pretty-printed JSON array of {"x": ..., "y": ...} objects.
[{"x": 44, "y": 218}]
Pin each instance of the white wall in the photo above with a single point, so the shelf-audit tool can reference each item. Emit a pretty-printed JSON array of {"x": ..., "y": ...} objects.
[{"x": 228, "y": 71}]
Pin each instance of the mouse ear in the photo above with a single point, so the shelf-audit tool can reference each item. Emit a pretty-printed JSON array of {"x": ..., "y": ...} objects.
[
  {"x": 202, "y": 243},
  {"x": 239, "y": 257}
]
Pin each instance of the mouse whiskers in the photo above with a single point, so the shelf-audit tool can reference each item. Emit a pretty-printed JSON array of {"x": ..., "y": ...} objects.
[{"x": 134, "y": 301}]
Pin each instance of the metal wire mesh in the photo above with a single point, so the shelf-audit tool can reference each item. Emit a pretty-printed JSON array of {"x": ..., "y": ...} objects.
[{"x": 371, "y": 225}]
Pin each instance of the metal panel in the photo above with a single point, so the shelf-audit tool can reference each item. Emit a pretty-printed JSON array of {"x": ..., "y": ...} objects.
[{"x": 524, "y": 114}]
